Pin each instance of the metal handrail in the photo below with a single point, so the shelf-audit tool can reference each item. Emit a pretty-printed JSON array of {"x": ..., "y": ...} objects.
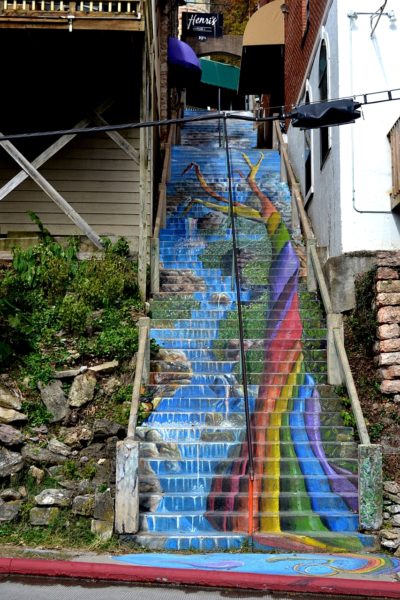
[
  {"x": 323, "y": 288},
  {"x": 240, "y": 315}
]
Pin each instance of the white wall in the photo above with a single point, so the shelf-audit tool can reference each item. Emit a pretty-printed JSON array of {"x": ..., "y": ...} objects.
[
  {"x": 368, "y": 65},
  {"x": 359, "y": 158}
]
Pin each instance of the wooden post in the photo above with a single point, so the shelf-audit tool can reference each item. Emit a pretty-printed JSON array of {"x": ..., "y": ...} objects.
[
  {"x": 296, "y": 225},
  {"x": 127, "y": 460},
  {"x": 162, "y": 198},
  {"x": 312, "y": 285},
  {"x": 52, "y": 193},
  {"x": 143, "y": 186},
  {"x": 127, "y": 487},
  {"x": 335, "y": 373},
  {"x": 155, "y": 265},
  {"x": 370, "y": 487}
]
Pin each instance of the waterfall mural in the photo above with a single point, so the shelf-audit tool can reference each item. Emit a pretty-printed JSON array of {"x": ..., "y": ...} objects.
[
  {"x": 282, "y": 376},
  {"x": 194, "y": 466}
]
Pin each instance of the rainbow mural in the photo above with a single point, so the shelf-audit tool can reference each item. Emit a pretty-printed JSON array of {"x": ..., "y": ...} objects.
[
  {"x": 195, "y": 489},
  {"x": 284, "y": 378}
]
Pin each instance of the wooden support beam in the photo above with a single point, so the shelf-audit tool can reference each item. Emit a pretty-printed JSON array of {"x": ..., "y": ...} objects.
[
  {"x": 118, "y": 139},
  {"x": 144, "y": 185},
  {"x": 116, "y": 22},
  {"x": 51, "y": 192},
  {"x": 49, "y": 152}
]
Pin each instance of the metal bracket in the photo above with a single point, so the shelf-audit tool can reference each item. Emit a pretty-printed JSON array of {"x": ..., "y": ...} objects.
[{"x": 70, "y": 19}]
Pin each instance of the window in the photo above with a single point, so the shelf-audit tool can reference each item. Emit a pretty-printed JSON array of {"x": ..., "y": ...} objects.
[
  {"x": 323, "y": 95},
  {"x": 394, "y": 139}
]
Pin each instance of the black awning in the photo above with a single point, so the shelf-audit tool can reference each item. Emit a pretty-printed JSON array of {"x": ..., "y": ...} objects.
[{"x": 326, "y": 114}]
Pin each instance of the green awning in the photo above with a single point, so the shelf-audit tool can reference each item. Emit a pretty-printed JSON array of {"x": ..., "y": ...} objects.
[{"x": 219, "y": 74}]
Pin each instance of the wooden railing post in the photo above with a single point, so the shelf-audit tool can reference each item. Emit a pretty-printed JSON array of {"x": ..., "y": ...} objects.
[
  {"x": 335, "y": 372},
  {"x": 311, "y": 279},
  {"x": 155, "y": 265},
  {"x": 162, "y": 188},
  {"x": 370, "y": 487},
  {"x": 127, "y": 487},
  {"x": 127, "y": 457}
]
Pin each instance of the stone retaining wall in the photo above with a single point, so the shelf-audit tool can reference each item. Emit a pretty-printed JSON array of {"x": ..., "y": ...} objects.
[{"x": 387, "y": 304}]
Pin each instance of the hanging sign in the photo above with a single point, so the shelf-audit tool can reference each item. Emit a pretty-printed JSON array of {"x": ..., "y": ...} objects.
[{"x": 202, "y": 25}]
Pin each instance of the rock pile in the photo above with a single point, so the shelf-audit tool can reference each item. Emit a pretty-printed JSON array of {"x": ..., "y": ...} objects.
[{"x": 74, "y": 451}]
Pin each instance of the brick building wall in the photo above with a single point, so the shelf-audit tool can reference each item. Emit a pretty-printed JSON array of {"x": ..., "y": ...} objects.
[
  {"x": 302, "y": 22},
  {"x": 168, "y": 26}
]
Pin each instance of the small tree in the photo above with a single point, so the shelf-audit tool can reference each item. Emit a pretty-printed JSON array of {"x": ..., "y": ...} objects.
[{"x": 236, "y": 14}]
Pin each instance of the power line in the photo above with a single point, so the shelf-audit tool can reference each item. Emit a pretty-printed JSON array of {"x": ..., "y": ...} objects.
[{"x": 389, "y": 95}]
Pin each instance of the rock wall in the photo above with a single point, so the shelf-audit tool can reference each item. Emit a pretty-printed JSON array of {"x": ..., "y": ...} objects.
[
  {"x": 390, "y": 535},
  {"x": 67, "y": 464},
  {"x": 387, "y": 357},
  {"x": 387, "y": 304}
]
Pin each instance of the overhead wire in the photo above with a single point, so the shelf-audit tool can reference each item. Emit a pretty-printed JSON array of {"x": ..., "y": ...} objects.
[{"x": 237, "y": 115}]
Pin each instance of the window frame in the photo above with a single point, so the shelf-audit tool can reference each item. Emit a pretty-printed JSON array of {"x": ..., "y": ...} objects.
[
  {"x": 323, "y": 87},
  {"x": 305, "y": 8}
]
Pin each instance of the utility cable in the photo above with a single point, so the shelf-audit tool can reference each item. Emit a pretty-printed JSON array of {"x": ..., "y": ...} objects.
[{"x": 390, "y": 96}]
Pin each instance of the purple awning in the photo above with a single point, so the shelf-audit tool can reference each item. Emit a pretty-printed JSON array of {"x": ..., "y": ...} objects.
[{"x": 184, "y": 65}]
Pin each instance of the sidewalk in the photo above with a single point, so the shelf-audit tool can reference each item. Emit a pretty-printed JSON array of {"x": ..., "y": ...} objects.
[{"x": 369, "y": 575}]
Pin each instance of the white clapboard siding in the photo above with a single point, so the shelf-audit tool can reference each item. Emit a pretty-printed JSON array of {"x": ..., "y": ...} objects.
[
  {"x": 121, "y": 187},
  {"x": 84, "y": 207},
  {"x": 94, "y": 175}
]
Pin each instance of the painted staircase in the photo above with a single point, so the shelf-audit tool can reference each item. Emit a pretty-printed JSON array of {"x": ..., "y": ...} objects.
[{"x": 194, "y": 462}]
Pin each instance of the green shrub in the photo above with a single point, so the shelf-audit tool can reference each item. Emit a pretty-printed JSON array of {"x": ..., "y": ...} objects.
[
  {"x": 71, "y": 470},
  {"x": 105, "y": 282},
  {"x": 36, "y": 412},
  {"x": 119, "y": 342},
  {"x": 37, "y": 368},
  {"x": 73, "y": 314},
  {"x": 123, "y": 394},
  {"x": 47, "y": 290}
]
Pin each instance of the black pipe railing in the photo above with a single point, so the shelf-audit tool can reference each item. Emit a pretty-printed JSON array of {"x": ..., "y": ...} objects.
[{"x": 239, "y": 307}]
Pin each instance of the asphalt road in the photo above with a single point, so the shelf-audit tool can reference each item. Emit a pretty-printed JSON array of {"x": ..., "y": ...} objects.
[{"x": 24, "y": 588}]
